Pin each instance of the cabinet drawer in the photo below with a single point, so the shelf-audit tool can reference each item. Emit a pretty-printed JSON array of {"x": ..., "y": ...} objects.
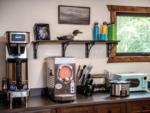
[
  {"x": 111, "y": 108},
  {"x": 138, "y": 106},
  {"x": 41, "y": 111},
  {"x": 87, "y": 109}
]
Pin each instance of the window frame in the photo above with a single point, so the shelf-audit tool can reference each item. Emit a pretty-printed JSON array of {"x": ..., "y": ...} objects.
[{"x": 113, "y": 55}]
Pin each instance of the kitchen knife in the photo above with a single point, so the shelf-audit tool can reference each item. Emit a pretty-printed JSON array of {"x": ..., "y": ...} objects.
[
  {"x": 78, "y": 70},
  {"x": 86, "y": 72},
  {"x": 82, "y": 74}
]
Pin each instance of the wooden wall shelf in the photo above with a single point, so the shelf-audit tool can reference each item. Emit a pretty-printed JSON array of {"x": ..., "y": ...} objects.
[{"x": 64, "y": 44}]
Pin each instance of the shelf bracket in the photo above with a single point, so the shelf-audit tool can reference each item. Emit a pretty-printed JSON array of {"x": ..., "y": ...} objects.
[
  {"x": 35, "y": 48},
  {"x": 88, "y": 47},
  {"x": 64, "y": 46}
]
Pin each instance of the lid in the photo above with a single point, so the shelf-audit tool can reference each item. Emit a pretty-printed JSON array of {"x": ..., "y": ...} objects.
[{"x": 95, "y": 22}]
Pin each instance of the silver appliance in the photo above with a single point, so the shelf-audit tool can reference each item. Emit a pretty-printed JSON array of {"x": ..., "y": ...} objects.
[
  {"x": 119, "y": 88},
  {"x": 17, "y": 65},
  {"x": 61, "y": 78}
]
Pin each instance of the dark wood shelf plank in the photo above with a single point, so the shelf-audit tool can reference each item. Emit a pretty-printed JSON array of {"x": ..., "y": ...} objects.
[
  {"x": 88, "y": 44},
  {"x": 74, "y": 41}
]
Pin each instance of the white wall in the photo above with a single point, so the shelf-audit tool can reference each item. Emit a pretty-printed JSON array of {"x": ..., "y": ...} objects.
[{"x": 21, "y": 15}]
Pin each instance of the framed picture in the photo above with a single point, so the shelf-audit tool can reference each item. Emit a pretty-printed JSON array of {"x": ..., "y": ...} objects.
[
  {"x": 73, "y": 15},
  {"x": 41, "y": 31}
]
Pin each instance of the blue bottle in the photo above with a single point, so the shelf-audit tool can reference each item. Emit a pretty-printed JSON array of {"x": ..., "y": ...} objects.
[
  {"x": 103, "y": 36},
  {"x": 96, "y": 31}
]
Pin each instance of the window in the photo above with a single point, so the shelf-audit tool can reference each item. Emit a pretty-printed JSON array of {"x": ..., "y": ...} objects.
[{"x": 133, "y": 31}]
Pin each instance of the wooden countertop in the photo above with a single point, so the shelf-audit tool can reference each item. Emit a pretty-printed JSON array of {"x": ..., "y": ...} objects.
[{"x": 38, "y": 102}]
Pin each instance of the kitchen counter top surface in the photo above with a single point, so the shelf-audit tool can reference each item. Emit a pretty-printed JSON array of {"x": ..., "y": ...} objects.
[{"x": 39, "y": 102}]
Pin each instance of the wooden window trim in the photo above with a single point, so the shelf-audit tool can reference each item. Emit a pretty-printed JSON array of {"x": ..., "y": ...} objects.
[{"x": 114, "y": 9}]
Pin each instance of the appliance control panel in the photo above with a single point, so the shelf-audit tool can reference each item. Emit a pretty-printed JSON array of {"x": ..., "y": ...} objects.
[{"x": 72, "y": 87}]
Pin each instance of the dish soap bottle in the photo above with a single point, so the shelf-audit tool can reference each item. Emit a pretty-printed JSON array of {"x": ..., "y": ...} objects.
[{"x": 96, "y": 31}]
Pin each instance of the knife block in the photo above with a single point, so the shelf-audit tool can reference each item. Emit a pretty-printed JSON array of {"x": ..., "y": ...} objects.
[{"x": 86, "y": 90}]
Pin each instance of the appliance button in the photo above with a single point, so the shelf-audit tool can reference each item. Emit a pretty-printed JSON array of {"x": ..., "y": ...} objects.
[{"x": 58, "y": 86}]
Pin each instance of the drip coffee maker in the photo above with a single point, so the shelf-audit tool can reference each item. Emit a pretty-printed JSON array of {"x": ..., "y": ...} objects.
[{"x": 17, "y": 65}]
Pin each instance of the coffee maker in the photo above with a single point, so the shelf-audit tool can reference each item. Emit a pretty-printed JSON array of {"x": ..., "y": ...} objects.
[{"x": 17, "y": 65}]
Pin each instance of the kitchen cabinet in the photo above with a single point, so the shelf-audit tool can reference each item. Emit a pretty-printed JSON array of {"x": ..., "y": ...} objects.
[
  {"x": 106, "y": 108},
  {"x": 111, "y": 108},
  {"x": 41, "y": 111},
  {"x": 85, "y": 109},
  {"x": 64, "y": 44},
  {"x": 138, "y": 107}
]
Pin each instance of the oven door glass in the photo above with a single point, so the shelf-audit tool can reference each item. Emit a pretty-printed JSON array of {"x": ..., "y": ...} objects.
[{"x": 134, "y": 82}]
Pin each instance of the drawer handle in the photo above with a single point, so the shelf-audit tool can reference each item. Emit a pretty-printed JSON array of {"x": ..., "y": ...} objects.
[{"x": 109, "y": 111}]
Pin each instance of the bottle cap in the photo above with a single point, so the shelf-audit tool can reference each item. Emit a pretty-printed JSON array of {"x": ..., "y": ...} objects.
[
  {"x": 105, "y": 22},
  {"x": 96, "y": 23}
]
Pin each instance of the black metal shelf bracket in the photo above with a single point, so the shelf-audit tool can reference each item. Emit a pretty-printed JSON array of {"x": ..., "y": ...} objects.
[
  {"x": 88, "y": 47},
  {"x": 64, "y": 46},
  {"x": 35, "y": 48}
]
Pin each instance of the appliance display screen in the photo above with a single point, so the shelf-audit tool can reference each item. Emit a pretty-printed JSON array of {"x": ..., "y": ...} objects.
[{"x": 18, "y": 37}]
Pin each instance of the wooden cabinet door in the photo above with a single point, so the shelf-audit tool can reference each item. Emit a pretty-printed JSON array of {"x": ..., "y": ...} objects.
[
  {"x": 138, "y": 107},
  {"x": 111, "y": 108},
  {"x": 86, "y": 109},
  {"x": 41, "y": 111}
]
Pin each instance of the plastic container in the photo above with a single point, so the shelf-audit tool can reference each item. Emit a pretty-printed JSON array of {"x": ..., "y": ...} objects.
[{"x": 96, "y": 31}]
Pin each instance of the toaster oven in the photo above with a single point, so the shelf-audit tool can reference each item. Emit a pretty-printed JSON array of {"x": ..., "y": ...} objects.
[{"x": 138, "y": 81}]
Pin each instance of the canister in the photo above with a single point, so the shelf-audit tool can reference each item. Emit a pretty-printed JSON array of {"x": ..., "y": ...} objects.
[{"x": 120, "y": 88}]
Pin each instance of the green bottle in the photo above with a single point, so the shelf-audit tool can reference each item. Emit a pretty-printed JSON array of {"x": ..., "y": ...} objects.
[{"x": 113, "y": 32}]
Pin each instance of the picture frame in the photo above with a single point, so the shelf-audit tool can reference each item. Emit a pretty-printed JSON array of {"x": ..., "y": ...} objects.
[
  {"x": 73, "y": 15},
  {"x": 41, "y": 31}
]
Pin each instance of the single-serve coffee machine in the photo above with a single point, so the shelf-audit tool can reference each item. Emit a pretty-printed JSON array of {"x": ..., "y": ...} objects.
[
  {"x": 61, "y": 78},
  {"x": 17, "y": 65}
]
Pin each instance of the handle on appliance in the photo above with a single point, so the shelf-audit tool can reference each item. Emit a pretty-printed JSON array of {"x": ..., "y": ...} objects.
[{"x": 143, "y": 83}]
